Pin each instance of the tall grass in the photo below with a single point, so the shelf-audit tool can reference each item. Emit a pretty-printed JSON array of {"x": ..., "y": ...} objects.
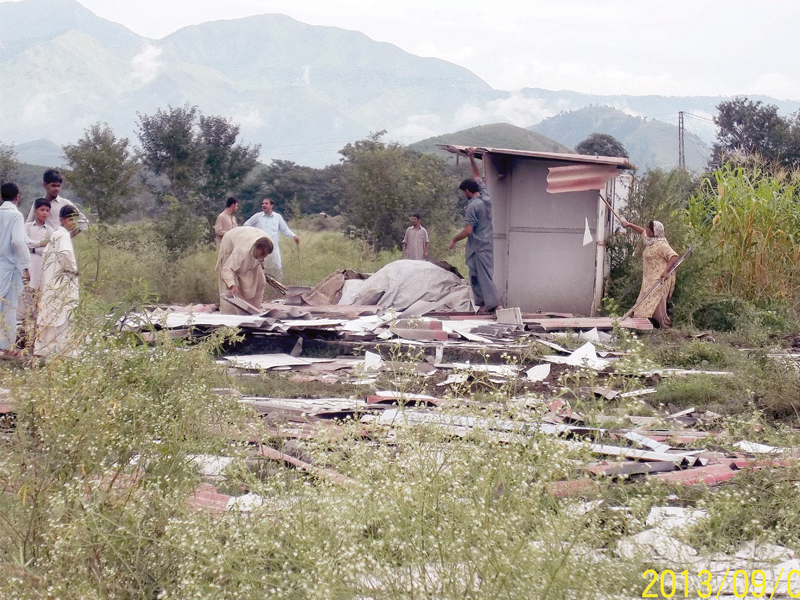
[
  {"x": 750, "y": 221},
  {"x": 116, "y": 260}
]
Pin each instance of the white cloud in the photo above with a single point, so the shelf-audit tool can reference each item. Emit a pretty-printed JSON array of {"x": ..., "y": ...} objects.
[
  {"x": 248, "y": 117},
  {"x": 146, "y": 65},
  {"x": 417, "y": 127},
  {"x": 515, "y": 109}
]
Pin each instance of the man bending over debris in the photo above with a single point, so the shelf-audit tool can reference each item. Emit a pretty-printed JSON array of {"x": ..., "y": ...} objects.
[
  {"x": 480, "y": 245},
  {"x": 240, "y": 267}
]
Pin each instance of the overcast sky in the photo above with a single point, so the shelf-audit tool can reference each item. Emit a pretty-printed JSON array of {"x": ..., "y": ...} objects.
[{"x": 666, "y": 47}]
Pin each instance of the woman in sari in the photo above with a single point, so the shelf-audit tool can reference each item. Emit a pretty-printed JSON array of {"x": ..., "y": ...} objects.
[{"x": 658, "y": 258}]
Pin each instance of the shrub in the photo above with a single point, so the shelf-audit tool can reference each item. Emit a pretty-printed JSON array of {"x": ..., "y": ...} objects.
[{"x": 97, "y": 466}]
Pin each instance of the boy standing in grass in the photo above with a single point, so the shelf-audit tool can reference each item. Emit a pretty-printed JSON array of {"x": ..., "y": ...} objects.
[
  {"x": 59, "y": 286},
  {"x": 226, "y": 219},
  {"x": 38, "y": 232}
]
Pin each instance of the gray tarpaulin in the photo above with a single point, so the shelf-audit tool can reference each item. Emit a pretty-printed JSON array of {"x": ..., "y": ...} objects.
[{"x": 404, "y": 283}]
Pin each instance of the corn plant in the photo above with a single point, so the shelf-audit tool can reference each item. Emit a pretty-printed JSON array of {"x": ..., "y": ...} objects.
[{"x": 750, "y": 220}]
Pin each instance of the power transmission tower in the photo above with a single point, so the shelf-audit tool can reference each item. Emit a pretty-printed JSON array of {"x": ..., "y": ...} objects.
[{"x": 681, "y": 154}]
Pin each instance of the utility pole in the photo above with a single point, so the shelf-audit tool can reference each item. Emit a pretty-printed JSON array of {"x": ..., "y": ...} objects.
[{"x": 681, "y": 154}]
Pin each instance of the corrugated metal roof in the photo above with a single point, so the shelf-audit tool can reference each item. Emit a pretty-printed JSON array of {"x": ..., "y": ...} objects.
[
  {"x": 620, "y": 163},
  {"x": 579, "y": 178}
]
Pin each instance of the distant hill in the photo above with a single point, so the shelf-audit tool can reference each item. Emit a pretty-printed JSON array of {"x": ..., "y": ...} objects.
[
  {"x": 497, "y": 135},
  {"x": 40, "y": 152},
  {"x": 300, "y": 91},
  {"x": 649, "y": 142}
]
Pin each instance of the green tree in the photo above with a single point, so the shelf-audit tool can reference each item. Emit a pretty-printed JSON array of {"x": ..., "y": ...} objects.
[
  {"x": 747, "y": 128},
  {"x": 193, "y": 154},
  {"x": 102, "y": 170},
  {"x": 169, "y": 148},
  {"x": 601, "y": 144},
  {"x": 224, "y": 164},
  {"x": 385, "y": 182},
  {"x": 9, "y": 165}
]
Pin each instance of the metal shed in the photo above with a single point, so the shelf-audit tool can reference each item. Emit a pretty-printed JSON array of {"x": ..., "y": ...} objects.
[{"x": 541, "y": 203}]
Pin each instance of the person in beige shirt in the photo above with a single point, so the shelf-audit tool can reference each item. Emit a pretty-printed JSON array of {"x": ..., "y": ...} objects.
[
  {"x": 226, "y": 219},
  {"x": 415, "y": 242},
  {"x": 240, "y": 267}
]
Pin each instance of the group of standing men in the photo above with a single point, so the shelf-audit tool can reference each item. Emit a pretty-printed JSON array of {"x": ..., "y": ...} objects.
[
  {"x": 246, "y": 251},
  {"x": 38, "y": 270}
]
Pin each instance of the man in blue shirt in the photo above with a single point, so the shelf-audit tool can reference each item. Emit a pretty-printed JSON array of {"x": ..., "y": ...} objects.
[
  {"x": 272, "y": 224},
  {"x": 479, "y": 235}
]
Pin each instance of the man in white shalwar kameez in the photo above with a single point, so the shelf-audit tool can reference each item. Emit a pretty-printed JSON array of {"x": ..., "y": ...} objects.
[
  {"x": 240, "y": 267},
  {"x": 14, "y": 261},
  {"x": 274, "y": 226},
  {"x": 59, "y": 287}
]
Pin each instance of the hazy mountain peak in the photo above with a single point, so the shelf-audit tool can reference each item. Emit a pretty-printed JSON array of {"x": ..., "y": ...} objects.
[{"x": 25, "y": 23}]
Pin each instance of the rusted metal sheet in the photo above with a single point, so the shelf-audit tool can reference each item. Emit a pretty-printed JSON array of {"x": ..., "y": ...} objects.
[
  {"x": 705, "y": 475},
  {"x": 579, "y": 178}
]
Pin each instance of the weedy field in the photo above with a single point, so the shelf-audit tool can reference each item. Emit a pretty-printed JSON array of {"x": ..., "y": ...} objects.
[
  {"x": 101, "y": 469},
  {"x": 135, "y": 470}
]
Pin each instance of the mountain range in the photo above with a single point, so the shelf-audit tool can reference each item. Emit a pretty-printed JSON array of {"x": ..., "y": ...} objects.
[
  {"x": 300, "y": 91},
  {"x": 649, "y": 142}
]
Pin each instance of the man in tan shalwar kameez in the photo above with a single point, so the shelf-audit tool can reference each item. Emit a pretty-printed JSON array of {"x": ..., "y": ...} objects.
[
  {"x": 240, "y": 267},
  {"x": 226, "y": 219}
]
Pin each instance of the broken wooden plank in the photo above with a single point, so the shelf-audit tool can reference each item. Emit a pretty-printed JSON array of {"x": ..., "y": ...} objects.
[
  {"x": 632, "y": 468},
  {"x": 633, "y": 453},
  {"x": 589, "y": 323},
  {"x": 326, "y": 474}
]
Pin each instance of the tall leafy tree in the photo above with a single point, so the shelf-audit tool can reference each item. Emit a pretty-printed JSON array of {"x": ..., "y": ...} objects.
[
  {"x": 601, "y": 144},
  {"x": 306, "y": 189},
  {"x": 102, "y": 169},
  {"x": 748, "y": 127},
  {"x": 224, "y": 164},
  {"x": 168, "y": 146},
  {"x": 196, "y": 155},
  {"x": 385, "y": 182}
]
